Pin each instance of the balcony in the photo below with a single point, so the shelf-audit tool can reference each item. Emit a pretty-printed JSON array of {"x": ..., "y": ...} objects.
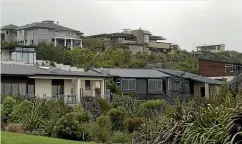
[{"x": 159, "y": 45}]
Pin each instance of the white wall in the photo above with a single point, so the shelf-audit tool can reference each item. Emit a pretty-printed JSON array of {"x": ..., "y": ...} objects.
[
  {"x": 67, "y": 87},
  {"x": 43, "y": 87},
  {"x": 5, "y": 54}
]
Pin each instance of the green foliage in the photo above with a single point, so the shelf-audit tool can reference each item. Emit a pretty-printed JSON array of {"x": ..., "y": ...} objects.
[
  {"x": 20, "y": 110},
  {"x": 7, "y": 109},
  {"x": 150, "y": 108},
  {"x": 117, "y": 116},
  {"x": 132, "y": 124},
  {"x": 102, "y": 129},
  {"x": 197, "y": 121},
  {"x": 104, "y": 105},
  {"x": 81, "y": 115},
  {"x": 130, "y": 104},
  {"x": 68, "y": 127},
  {"x": 121, "y": 137}
]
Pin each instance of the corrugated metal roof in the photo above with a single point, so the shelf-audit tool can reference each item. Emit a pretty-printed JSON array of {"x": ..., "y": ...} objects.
[
  {"x": 131, "y": 73},
  {"x": 27, "y": 70},
  {"x": 191, "y": 76},
  {"x": 10, "y": 27}
]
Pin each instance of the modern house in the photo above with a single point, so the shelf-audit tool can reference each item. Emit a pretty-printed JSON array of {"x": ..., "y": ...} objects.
[
  {"x": 211, "y": 48},
  {"x": 164, "y": 83},
  {"x": 19, "y": 54},
  {"x": 185, "y": 84},
  {"x": 136, "y": 40},
  {"x": 219, "y": 69},
  {"x": 147, "y": 83},
  {"x": 46, "y": 31},
  {"x": 69, "y": 86}
]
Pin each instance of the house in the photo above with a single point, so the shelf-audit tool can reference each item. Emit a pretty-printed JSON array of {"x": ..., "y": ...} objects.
[
  {"x": 236, "y": 82},
  {"x": 69, "y": 86},
  {"x": 219, "y": 69},
  {"x": 46, "y": 31},
  {"x": 165, "y": 83},
  {"x": 22, "y": 54},
  {"x": 211, "y": 48},
  {"x": 147, "y": 83},
  {"x": 136, "y": 40},
  {"x": 185, "y": 84}
]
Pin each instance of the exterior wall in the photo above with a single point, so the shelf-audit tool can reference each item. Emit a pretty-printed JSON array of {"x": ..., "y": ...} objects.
[
  {"x": 5, "y": 55},
  {"x": 197, "y": 86},
  {"x": 139, "y": 34},
  {"x": 135, "y": 48},
  {"x": 11, "y": 36},
  {"x": 68, "y": 87},
  {"x": 160, "y": 45},
  {"x": 43, "y": 35},
  {"x": 209, "y": 68},
  {"x": 43, "y": 87}
]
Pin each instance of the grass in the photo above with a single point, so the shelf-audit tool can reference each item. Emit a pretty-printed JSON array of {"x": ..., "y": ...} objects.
[{"x": 16, "y": 138}]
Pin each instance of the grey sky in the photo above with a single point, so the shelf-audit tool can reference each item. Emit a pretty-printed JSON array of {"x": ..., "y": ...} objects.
[{"x": 188, "y": 23}]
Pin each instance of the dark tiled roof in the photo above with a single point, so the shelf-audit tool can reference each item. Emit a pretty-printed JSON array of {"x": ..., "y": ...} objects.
[
  {"x": 131, "y": 73},
  {"x": 26, "y": 70},
  {"x": 48, "y": 26},
  {"x": 10, "y": 27},
  {"x": 191, "y": 76}
]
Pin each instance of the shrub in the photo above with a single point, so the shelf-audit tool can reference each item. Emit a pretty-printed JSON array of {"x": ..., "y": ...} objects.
[
  {"x": 120, "y": 137},
  {"x": 128, "y": 103},
  {"x": 102, "y": 129},
  {"x": 66, "y": 128},
  {"x": 104, "y": 105},
  {"x": 81, "y": 115},
  {"x": 7, "y": 109},
  {"x": 151, "y": 108},
  {"x": 132, "y": 124},
  {"x": 20, "y": 110},
  {"x": 116, "y": 115},
  {"x": 12, "y": 127}
]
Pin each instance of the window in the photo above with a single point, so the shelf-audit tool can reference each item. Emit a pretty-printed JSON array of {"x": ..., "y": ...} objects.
[
  {"x": 13, "y": 88},
  {"x": 31, "y": 90},
  {"x": 32, "y": 41},
  {"x": 128, "y": 84},
  {"x": 57, "y": 89},
  {"x": 87, "y": 84},
  {"x": 26, "y": 57},
  {"x": 7, "y": 32},
  {"x": 174, "y": 85},
  {"x": 229, "y": 68},
  {"x": 155, "y": 84},
  {"x": 146, "y": 38}
]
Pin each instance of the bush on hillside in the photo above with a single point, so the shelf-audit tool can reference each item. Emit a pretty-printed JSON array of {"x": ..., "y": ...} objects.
[
  {"x": 101, "y": 130},
  {"x": 117, "y": 116},
  {"x": 121, "y": 137},
  {"x": 151, "y": 107},
  {"x": 20, "y": 110},
  {"x": 132, "y": 124},
  {"x": 81, "y": 115},
  {"x": 7, "y": 109},
  {"x": 104, "y": 105}
]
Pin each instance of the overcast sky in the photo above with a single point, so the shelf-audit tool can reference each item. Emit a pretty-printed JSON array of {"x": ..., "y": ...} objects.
[{"x": 187, "y": 23}]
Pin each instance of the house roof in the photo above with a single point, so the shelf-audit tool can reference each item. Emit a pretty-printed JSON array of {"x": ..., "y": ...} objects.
[
  {"x": 191, "y": 76},
  {"x": 130, "y": 73},
  {"x": 48, "y": 25},
  {"x": 9, "y": 27},
  {"x": 27, "y": 70}
]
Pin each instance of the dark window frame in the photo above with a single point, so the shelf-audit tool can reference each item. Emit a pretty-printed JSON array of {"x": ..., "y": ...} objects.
[
  {"x": 87, "y": 84},
  {"x": 129, "y": 80}
]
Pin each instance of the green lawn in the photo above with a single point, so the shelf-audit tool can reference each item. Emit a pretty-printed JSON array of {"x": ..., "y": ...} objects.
[{"x": 16, "y": 138}]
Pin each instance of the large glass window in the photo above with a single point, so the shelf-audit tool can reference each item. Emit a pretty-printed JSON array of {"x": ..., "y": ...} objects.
[
  {"x": 174, "y": 85},
  {"x": 128, "y": 84},
  {"x": 155, "y": 84},
  {"x": 26, "y": 57},
  {"x": 31, "y": 89},
  {"x": 14, "y": 88}
]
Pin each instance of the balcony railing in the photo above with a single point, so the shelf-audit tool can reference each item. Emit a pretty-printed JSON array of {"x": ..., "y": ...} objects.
[{"x": 159, "y": 45}]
